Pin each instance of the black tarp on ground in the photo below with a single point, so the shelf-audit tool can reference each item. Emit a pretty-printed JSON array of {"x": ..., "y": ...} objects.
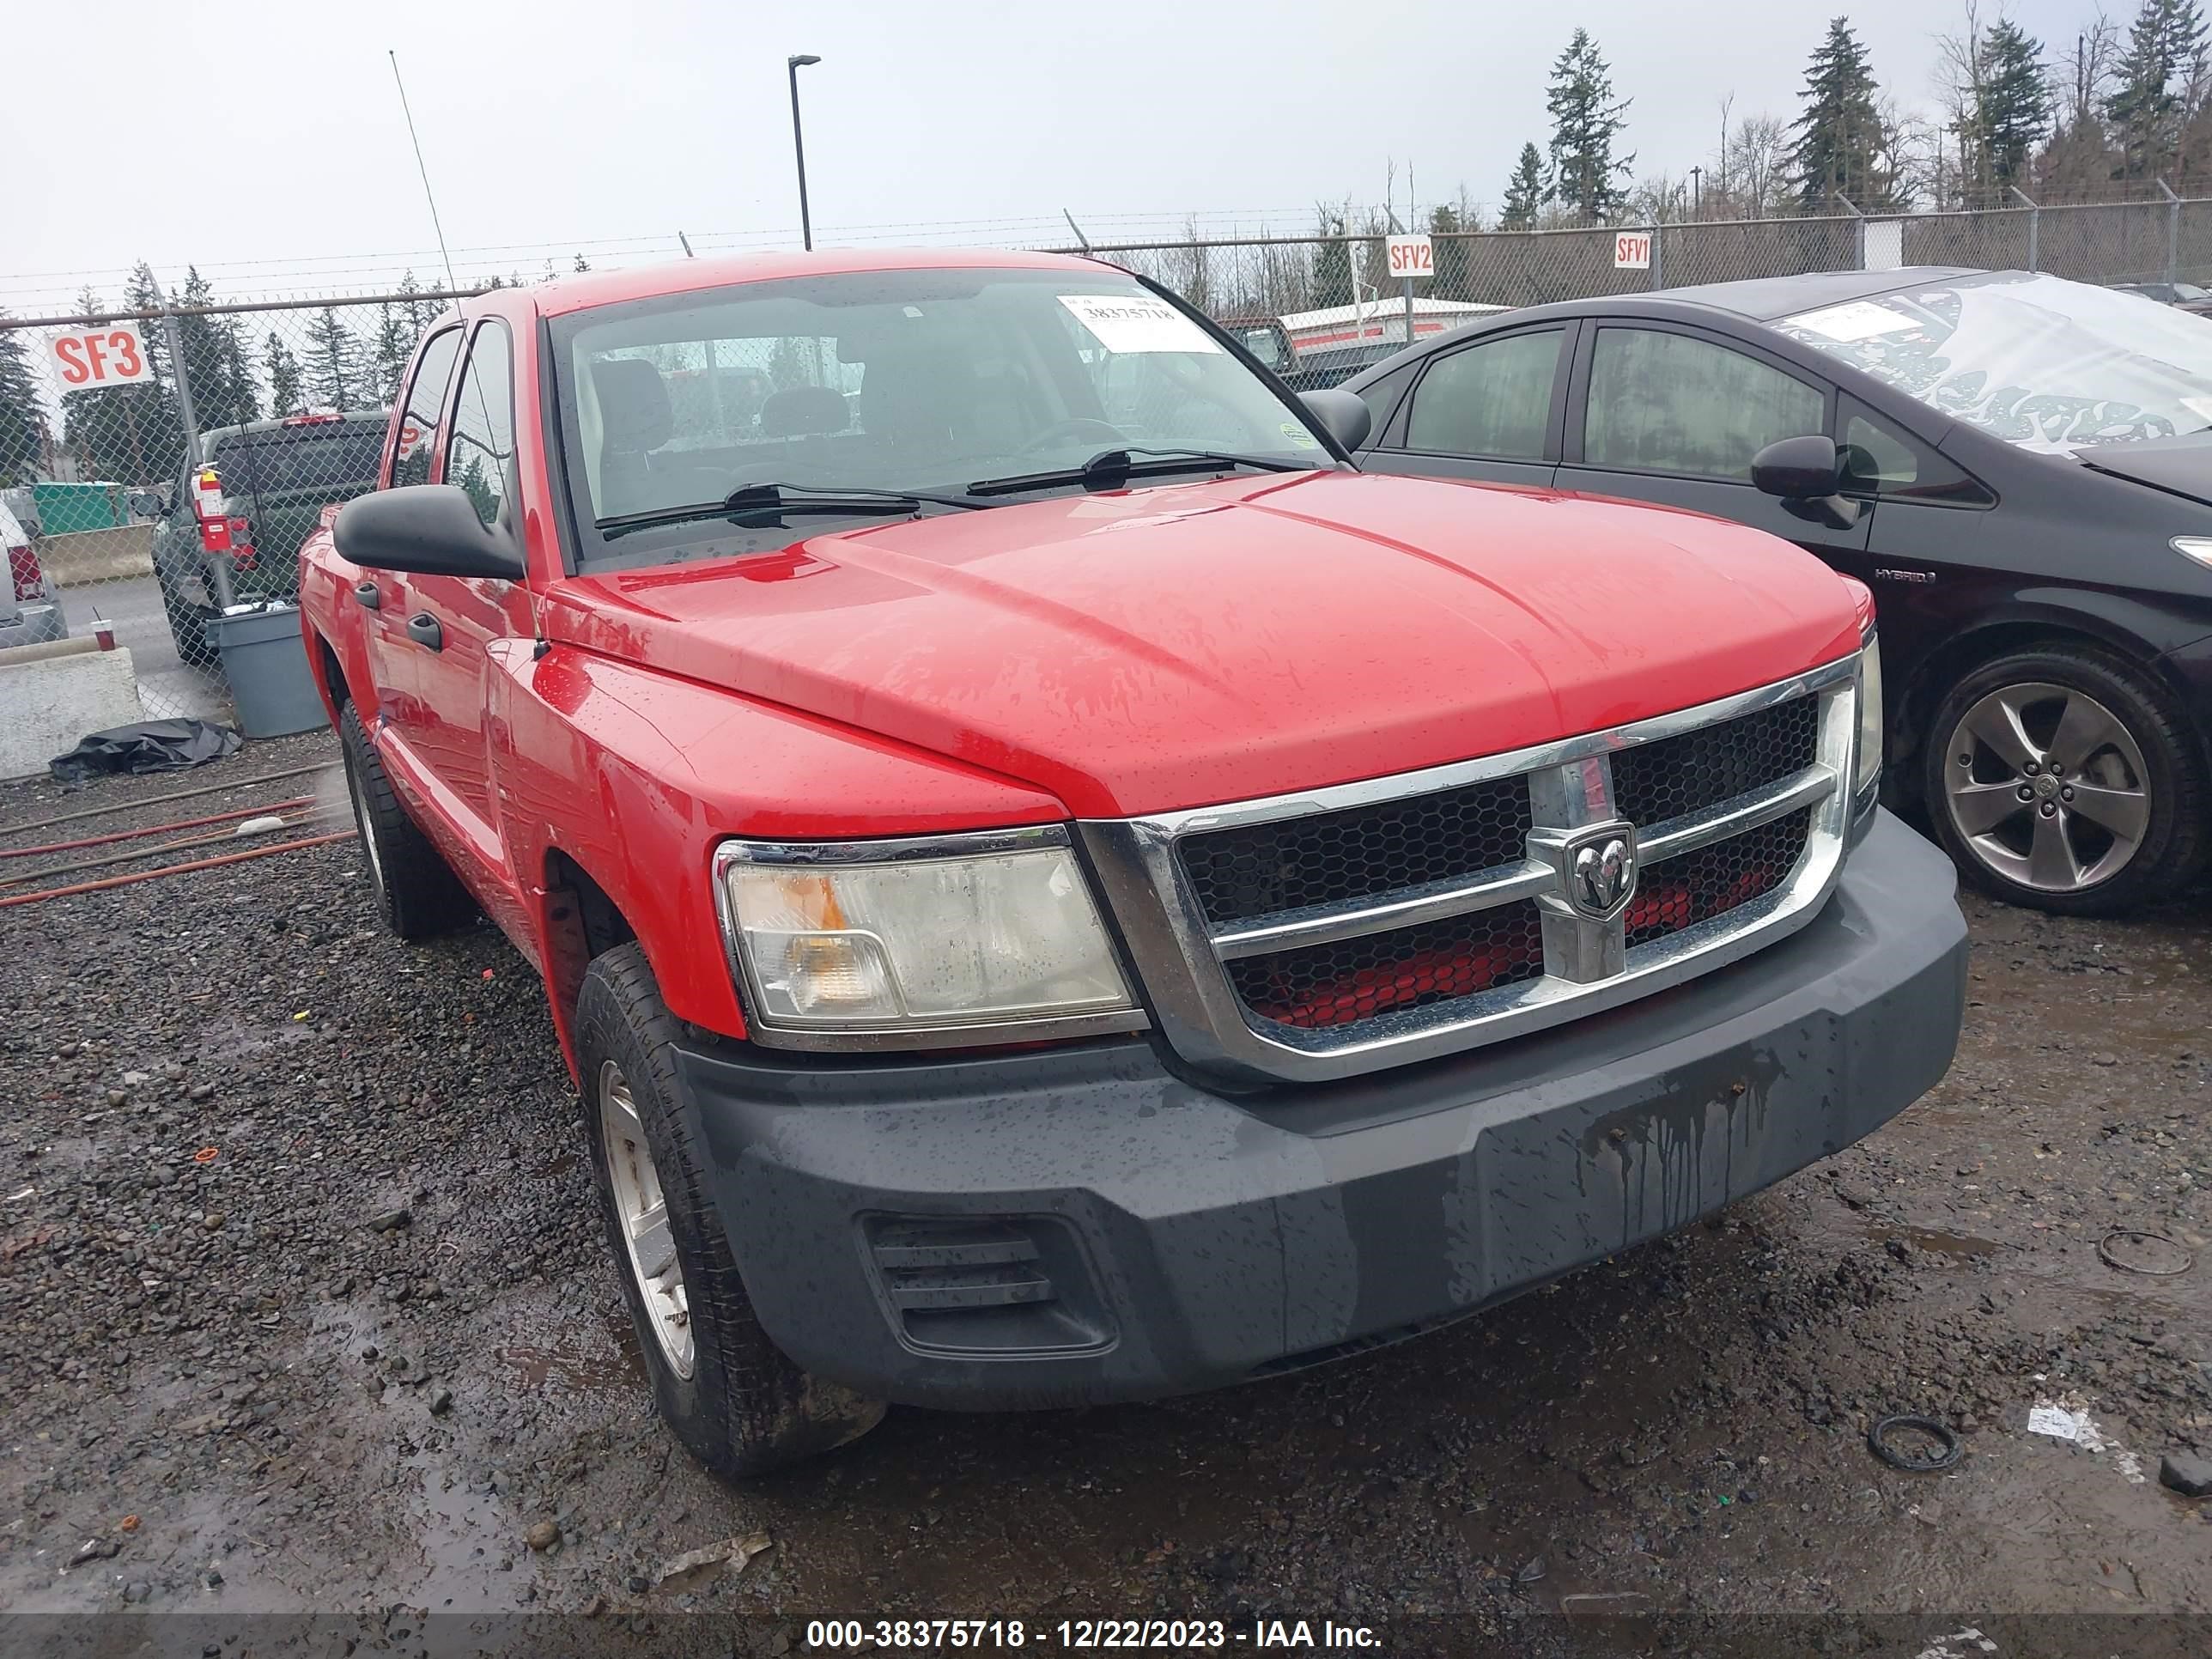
[{"x": 148, "y": 746}]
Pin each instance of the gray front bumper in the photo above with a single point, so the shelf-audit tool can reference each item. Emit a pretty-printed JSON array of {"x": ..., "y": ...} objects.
[{"x": 1201, "y": 1238}]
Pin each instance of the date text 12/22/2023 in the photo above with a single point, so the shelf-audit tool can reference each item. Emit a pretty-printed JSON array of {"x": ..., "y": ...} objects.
[{"x": 1174, "y": 1635}]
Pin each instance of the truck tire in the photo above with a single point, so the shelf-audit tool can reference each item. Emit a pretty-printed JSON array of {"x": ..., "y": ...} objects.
[
  {"x": 188, "y": 623},
  {"x": 2064, "y": 778},
  {"x": 730, "y": 1395},
  {"x": 416, "y": 891}
]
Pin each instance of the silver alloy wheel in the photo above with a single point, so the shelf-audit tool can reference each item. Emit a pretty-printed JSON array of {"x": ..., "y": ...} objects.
[
  {"x": 2058, "y": 812},
  {"x": 367, "y": 826},
  {"x": 642, "y": 1214}
]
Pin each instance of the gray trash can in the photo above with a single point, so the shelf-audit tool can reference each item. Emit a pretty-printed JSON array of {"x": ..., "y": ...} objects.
[{"x": 266, "y": 663}]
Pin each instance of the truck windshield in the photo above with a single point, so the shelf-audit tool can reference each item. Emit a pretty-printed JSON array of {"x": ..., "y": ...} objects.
[
  {"x": 287, "y": 458},
  {"x": 921, "y": 380},
  {"x": 2040, "y": 361}
]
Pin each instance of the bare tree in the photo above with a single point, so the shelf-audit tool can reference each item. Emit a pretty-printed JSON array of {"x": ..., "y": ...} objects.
[
  {"x": 1753, "y": 164},
  {"x": 2080, "y": 160},
  {"x": 1962, "y": 90}
]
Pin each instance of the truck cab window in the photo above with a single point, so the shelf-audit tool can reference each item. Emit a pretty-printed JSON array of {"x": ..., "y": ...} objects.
[
  {"x": 483, "y": 442},
  {"x": 426, "y": 403}
]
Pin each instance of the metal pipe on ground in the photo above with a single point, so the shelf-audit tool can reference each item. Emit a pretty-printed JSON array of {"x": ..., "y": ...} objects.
[
  {"x": 155, "y": 828},
  {"x": 172, "y": 869},
  {"x": 157, "y": 800}
]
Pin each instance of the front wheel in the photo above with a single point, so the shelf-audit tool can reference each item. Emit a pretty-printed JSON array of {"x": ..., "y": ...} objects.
[
  {"x": 2065, "y": 779},
  {"x": 726, "y": 1390}
]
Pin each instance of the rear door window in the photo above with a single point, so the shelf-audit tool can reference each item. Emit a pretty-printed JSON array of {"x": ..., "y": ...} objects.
[
  {"x": 1664, "y": 402},
  {"x": 482, "y": 440},
  {"x": 1491, "y": 400},
  {"x": 425, "y": 405}
]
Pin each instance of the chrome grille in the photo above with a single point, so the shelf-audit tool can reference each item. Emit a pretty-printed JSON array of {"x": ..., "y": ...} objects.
[{"x": 1332, "y": 933}]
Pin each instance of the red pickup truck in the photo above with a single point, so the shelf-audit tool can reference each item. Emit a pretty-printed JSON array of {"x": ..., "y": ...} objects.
[{"x": 1055, "y": 886}]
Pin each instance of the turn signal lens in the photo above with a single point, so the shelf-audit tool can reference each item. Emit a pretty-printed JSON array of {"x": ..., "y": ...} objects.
[
  {"x": 1867, "y": 767},
  {"x": 2198, "y": 548}
]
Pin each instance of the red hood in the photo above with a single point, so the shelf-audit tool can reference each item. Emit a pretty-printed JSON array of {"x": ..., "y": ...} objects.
[{"x": 1157, "y": 648}]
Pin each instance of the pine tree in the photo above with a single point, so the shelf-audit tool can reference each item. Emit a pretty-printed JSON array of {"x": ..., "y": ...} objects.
[
  {"x": 335, "y": 376},
  {"x": 1843, "y": 142},
  {"x": 23, "y": 417},
  {"x": 1332, "y": 266},
  {"x": 1524, "y": 191},
  {"x": 1453, "y": 278},
  {"x": 389, "y": 352},
  {"x": 581, "y": 264},
  {"x": 223, "y": 391},
  {"x": 419, "y": 312},
  {"x": 2013, "y": 113},
  {"x": 1585, "y": 120},
  {"x": 2164, "y": 65},
  {"x": 287, "y": 390}
]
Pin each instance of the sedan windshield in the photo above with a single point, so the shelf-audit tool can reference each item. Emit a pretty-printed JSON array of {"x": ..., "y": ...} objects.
[
  {"x": 894, "y": 380},
  {"x": 2040, "y": 361}
]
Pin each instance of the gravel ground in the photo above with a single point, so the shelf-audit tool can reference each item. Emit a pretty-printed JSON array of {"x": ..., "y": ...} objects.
[{"x": 304, "y": 1308}]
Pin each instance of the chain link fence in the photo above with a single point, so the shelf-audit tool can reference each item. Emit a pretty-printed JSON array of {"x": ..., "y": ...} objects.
[
  {"x": 126, "y": 536},
  {"x": 108, "y": 417}
]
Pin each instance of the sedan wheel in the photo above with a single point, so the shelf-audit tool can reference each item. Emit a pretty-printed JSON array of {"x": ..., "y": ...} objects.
[
  {"x": 2068, "y": 779},
  {"x": 2048, "y": 787}
]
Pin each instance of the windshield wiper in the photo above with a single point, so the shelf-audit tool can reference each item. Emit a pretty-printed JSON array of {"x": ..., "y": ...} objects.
[
  {"x": 1110, "y": 466},
  {"x": 764, "y": 503}
]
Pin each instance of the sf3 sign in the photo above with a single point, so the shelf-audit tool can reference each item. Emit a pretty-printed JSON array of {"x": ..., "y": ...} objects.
[
  {"x": 111, "y": 354},
  {"x": 1412, "y": 255},
  {"x": 1631, "y": 250}
]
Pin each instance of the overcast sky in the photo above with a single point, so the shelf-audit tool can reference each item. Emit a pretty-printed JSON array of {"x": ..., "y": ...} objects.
[{"x": 264, "y": 138}]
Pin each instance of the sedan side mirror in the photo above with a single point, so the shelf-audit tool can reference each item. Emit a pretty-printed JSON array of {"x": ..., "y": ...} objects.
[
  {"x": 427, "y": 530},
  {"x": 1798, "y": 469},
  {"x": 1807, "y": 474},
  {"x": 1342, "y": 414}
]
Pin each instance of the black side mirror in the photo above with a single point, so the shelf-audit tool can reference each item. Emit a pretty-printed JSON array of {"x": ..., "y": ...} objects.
[
  {"x": 427, "y": 530},
  {"x": 1798, "y": 469},
  {"x": 1342, "y": 414},
  {"x": 1808, "y": 475}
]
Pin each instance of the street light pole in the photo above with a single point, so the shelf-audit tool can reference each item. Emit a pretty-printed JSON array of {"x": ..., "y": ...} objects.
[{"x": 794, "y": 64}]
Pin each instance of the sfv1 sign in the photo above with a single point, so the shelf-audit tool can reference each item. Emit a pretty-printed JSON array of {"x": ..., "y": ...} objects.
[
  {"x": 1631, "y": 250},
  {"x": 1412, "y": 255},
  {"x": 112, "y": 354}
]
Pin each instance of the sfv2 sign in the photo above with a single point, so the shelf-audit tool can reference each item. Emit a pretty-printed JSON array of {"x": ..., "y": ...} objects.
[
  {"x": 1631, "y": 250},
  {"x": 110, "y": 354},
  {"x": 1412, "y": 255}
]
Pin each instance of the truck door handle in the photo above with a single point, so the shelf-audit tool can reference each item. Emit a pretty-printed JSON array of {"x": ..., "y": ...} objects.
[
  {"x": 370, "y": 595},
  {"x": 423, "y": 628}
]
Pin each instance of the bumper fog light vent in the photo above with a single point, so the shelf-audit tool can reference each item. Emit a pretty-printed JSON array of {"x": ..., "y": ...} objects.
[
  {"x": 998, "y": 1285},
  {"x": 960, "y": 1266}
]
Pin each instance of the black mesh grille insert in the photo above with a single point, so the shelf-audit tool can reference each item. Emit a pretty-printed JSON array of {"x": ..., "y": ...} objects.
[
  {"x": 1716, "y": 879},
  {"x": 1358, "y": 852},
  {"x": 1319, "y": 985},
  {"x": 1655, "y": 781}
]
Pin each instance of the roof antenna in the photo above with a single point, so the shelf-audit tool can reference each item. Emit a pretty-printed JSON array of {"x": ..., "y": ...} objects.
[
  {"x": 450, "y": 285},
  {"x": 686, "y": 241},
  {"x": 1078, "y": 229}
]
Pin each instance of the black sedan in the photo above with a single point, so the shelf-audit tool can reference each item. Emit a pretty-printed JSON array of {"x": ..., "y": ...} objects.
[{"x": 2018, "y": 466}]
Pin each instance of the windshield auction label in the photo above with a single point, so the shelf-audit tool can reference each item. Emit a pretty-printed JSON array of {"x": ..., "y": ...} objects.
[
  {"x": 1133, "y": 323},
  {"x": 1861, "y": 319}
]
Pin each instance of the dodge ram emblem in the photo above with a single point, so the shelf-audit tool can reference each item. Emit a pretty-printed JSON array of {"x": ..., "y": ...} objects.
[{"x": 1601, "y": 871}]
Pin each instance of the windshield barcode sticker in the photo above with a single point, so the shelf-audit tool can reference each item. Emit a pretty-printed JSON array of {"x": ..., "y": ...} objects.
[{"x": 1137, "y": 322}]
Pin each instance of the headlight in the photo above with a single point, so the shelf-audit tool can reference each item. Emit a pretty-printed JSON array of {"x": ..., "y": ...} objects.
[
  {"x": 1867, "y": 767},
  {"x": 2198, "y": 548},
  {"x": 938, "y": 933}
]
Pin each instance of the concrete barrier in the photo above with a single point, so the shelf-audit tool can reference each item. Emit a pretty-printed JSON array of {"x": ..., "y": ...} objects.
[
  {"x": 48, "y": 703},
  {"x": 98, "y": 555}
]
